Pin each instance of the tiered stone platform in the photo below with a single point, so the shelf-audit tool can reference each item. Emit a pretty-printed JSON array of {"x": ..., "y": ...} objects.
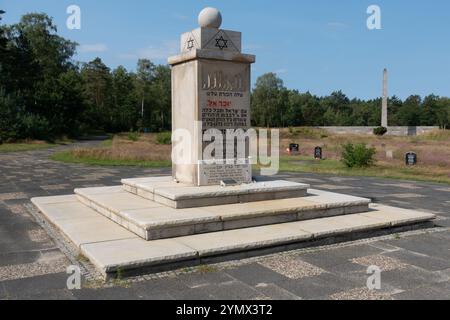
[
  {"x": 165, "y": 191},
  {"x": 137, "y": 227}
]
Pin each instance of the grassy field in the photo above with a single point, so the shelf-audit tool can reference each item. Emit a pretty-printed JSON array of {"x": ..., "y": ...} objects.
[
  {"x": 380, "y": 169},
  {"x": 433, "y": 152},
  {"x": 121, "y": 150},
  {"x": 25, "y": 146}
]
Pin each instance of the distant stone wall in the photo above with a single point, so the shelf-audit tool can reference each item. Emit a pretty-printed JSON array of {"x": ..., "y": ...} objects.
[{"x": 392, "y": 131}]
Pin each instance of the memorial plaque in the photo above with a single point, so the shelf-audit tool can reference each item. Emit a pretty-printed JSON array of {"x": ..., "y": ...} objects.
[
  {"x": 213, "y": 173},
  {"x": 318, "y": 153},
  {"x": 411, "y": 159},
  {"x": 225, "y": 95},
  {"x": 228, "y": 183}
]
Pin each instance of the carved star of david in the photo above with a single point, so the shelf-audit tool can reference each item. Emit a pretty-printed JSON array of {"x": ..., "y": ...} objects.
[
  {"x": 221, "y": 43},
  {"x": 190, "y": 44}
]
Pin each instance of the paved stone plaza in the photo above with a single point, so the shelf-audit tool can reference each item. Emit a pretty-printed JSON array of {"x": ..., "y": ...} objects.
[{"x": 33, "y": 265}]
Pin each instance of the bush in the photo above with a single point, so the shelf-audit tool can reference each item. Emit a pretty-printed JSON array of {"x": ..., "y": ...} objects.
[
  {"x": 380, "y": 131},
  {"x": 133, "y": 136},
  {"x": 306, "y": 133},
  {"x": 10, "y": 124},
  {"x": 35, "y": 127},
  {"x": 292, "y": 131},
  {"x": 358, "y": 155},
  {"x": 17, "y": 124},
  {"x": 164, "y": 138}
]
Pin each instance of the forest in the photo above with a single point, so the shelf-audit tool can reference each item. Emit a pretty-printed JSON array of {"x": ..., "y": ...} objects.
[{"x": 45, "y": 93}]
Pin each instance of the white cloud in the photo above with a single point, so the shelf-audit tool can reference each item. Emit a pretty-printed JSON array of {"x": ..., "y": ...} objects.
[
  {"x": 162, "y": 52},
  {"x": 96, "y": 47}
]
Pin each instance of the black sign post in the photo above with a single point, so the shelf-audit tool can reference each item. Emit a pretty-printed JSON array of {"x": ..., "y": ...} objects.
[
  {"x": 411, "y": 159},
  {"x": 294, "y": 149},
  {"x": 318, "y": 153}
]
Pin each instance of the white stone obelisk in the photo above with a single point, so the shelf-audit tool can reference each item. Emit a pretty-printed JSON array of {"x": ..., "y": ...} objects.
[
  {"x": 384, "y": 107},
  {"x": 210, "y": 93}
]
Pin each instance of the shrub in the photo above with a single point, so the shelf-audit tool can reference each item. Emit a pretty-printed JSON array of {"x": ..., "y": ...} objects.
[
  {"x": 380, "y": 131},
  {"x": 306, "y": 133},
  {"x": 35, "y": 127},
  {"x": 358, "y": 155},
  {"x": 164, "y": 138},
  {"x": 292, "y": 131},
  {"x": 10, "y": 124},
  {"x": 133, "y": 136}
]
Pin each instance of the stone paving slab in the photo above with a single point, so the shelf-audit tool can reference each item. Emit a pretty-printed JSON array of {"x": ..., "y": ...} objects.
[
  {"x": 111, "y": 256},
  {"x": 79, "y": 223},
  {"x": 54, "y": 199},
  {"x": 402, "y": 216},
  {"x": 334, "y": 226},
  {"x": 116, "y": 201},
  {"x": 210, "y": 244},
  {"x": 151, "y": 220}
]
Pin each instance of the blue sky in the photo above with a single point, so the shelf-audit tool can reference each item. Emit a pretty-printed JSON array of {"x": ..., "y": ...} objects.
[{"x": 320, "y": 46}]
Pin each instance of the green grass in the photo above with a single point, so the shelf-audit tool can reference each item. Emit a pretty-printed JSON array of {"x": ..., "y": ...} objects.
[
  {"x": 68, "y": 157},
  {"x": 133, "y": 136},
  {"x": 106, "y": 143},
  {"x": 439, "y": 135},
  {"x": 335, "y": 167},
  {"x": 164, "y": 138},
  {"x": 18, "y": 147},
  {"x": 307, "y": 133},
  {"x": 207, "y": 269}
]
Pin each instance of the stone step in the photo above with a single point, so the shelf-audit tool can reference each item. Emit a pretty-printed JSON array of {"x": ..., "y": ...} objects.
[
  {"x": 152, "y": 220},
  {"x": 180, "y": 196},
  {"x": 111, "y": 248}
]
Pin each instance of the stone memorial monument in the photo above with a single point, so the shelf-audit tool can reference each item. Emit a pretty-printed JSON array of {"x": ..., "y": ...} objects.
[
  {"x": 210, "y": 207},
  {"x": 384, "y": 107},
  {"x": 210, "y": 90}
]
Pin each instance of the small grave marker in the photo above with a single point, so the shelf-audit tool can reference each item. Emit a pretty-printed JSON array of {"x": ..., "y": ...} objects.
[
  {"x": 390, "y": 154},
  {"x": 318, "y": 155},
  {"x": 294, "y": 149},
  {"x": 411, "y": 159}
]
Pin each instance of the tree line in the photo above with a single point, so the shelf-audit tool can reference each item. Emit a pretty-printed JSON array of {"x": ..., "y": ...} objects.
[
  {"x": 273, "y": 105},
  {"x": 45, "y": 93}
]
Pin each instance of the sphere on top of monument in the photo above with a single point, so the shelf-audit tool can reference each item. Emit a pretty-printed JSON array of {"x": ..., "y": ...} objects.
[{"x": 210, "y": 18}]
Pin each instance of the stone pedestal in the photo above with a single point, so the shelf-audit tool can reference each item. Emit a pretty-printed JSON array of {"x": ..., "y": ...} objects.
[{"x": 210, "y": 91}]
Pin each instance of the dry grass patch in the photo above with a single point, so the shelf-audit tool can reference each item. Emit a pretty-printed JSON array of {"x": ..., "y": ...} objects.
[
  {"x": 30, "y": 145},
  {"x": 121, "y": 150}
]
